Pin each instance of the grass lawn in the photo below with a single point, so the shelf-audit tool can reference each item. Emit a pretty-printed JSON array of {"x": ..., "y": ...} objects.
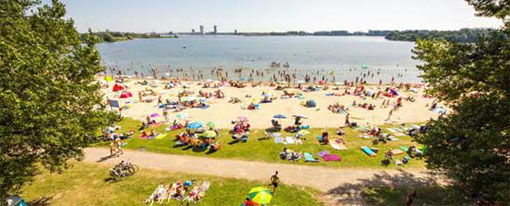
[
  {"x": 268, "y": 151},
  {"x": 84, "y": 184}
]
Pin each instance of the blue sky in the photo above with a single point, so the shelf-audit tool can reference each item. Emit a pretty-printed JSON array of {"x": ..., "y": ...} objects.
[{"x": 272, "y": 15}]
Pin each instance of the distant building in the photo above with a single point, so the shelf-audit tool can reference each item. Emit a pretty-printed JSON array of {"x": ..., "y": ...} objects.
[
  {"x": 201, "y": 29},
  {"x": 235, "y": 31},
  {"x": 215, "y": 30},
  {"x": 192, "y": 31}
]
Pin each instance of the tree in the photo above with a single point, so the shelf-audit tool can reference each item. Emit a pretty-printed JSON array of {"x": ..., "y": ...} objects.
[
  {"x": 492, "y": 8},
  {"x": 47, "y": 91},
  {"x": 471, "y": 145}
]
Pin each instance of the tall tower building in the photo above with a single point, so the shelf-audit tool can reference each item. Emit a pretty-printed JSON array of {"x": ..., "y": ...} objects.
[
  {"x": 215, "y": 31},
  {"x": 201, "y": 29}
]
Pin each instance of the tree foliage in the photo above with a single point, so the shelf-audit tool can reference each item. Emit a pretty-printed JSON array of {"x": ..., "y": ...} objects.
[
  {"x": 492, "y": 8},
  {"x": 463, "y": 35},
  {"x": 471, "y": 145},
  {"x": 47, "y": 91}
]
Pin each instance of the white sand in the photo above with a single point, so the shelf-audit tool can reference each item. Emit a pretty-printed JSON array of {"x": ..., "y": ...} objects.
[{"x": 221, "y": 112}]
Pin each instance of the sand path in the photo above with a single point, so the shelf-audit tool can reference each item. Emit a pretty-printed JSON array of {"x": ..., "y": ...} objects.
[{"x": 337, "y": 185}]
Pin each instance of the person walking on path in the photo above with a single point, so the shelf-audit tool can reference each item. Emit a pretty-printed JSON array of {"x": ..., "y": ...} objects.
[
  {"x": 389, "y": 115},
  {"x": 275, "y": 180},
  {"x": 347, "y": 122}
]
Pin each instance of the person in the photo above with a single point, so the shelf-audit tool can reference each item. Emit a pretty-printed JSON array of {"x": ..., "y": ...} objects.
[
  {"x": 165, "y": 114},
  {"x": 297, "y": 121},
  {"x": 118, "y": 143},
  {"x": 347, "y": 122},
  {"x": 389, "y": 115},
  {"x": 275, "y": 180},
  {"x": 410, "y": 198},
  {"x": 249, "y": 202}
]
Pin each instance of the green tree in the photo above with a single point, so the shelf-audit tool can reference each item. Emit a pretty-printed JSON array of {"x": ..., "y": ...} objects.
[
  {"x": 470, "y": 145},
  {"x": 47, "y": 91}
]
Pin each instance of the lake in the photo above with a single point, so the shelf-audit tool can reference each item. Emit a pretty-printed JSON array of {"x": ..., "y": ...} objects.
[{"x": 340, "y": 57}]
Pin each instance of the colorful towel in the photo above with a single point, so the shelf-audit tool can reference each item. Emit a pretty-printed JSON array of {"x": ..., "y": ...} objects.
[
  {"x": 368, "y": 151},
  {"x": 160, "y": 136},
  {"x": 309, "y": 157}
]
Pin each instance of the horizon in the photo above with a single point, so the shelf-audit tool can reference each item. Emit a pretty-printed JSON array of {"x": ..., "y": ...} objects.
[{"x": 248, "y": 16}]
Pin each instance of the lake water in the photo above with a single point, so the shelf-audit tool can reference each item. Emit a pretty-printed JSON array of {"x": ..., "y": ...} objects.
[{"x": 305, "y": 55}]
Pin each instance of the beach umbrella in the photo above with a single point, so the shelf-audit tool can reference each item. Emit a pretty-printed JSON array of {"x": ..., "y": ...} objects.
[
  {"x": 211, "y": 124},
  {"x": 108, "y": 78},
  {"x": 260, "y": 195},
  {"x": 209, "y": 80},
  {"x": 243, "y": 118},
  {"x": 300, "y": 81},
  {"x": 182, "y": 116},
  {"x": 279, "y": 116},
  {"x": 194, "y": 125},
  {"x": 154, "y": 115},
  {"x": 209, "y": 134},
  {"x": 338, "y": 83},
  {"x": 300, "y": 115},
  {"x": 364, "y": 66}
]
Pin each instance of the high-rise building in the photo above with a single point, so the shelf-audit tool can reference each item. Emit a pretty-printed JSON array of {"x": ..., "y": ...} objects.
[
  {"x": 201, "y": 29},
  {"x": 215, "y": 30}
]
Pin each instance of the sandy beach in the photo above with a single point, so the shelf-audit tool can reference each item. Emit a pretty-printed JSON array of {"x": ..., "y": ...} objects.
[{"x": 222, "y": 112}]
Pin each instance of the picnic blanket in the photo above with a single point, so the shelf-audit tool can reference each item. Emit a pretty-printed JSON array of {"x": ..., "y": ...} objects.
[
  {"x": 337, "y": 145},
  {"x": 331, "y": 157}
]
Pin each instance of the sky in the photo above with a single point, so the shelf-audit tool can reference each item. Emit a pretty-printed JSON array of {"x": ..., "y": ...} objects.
[{"x": 273, "y": 15}]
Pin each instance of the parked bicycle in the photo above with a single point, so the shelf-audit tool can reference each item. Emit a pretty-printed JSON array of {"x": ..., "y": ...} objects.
[{"x": 123, "y": 169}]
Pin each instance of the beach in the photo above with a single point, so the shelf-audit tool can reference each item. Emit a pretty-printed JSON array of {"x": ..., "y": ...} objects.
[{"x": 222, "y": 113}]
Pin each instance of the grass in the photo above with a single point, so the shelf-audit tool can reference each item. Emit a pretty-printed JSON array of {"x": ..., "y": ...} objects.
[
  {"x": 84, "y": 184},
  {"x": 268, "y": 151},
  {"x": 393, "y": 189}
]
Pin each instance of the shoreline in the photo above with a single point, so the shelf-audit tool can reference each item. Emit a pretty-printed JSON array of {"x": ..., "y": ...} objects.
[{"x": 222, "y": 112}]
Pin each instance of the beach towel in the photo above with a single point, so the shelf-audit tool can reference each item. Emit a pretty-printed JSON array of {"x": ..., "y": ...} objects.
[
  {"x": 322, "y": 153},
  {"x": 368, "y": 151},
  {"x": 392, "y": 130},
  {"x": 400, "y": 134},
  {"x": 289, "y": 140},
  {"x": 337, "y": 145},
  {"x": 392, "y": 138},
  {"x": 397, "y": 152},
  {"x": 416, "y": 126},
  {"x": 309, "y": 157},
  {"x": 404, "y": 148},
  {"x": 278, "y": 140},
  {"x": 160, "y": 136},
  {"x": 331, "y": 157}
]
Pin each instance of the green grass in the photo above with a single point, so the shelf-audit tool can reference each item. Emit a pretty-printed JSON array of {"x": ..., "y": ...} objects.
[
  {"x": 268, "y": 151},
  {"x": 84, "y": 184}
]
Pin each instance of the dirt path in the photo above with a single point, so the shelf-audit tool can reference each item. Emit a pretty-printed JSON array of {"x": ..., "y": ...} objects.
[{"x": 332, "y": 182}]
